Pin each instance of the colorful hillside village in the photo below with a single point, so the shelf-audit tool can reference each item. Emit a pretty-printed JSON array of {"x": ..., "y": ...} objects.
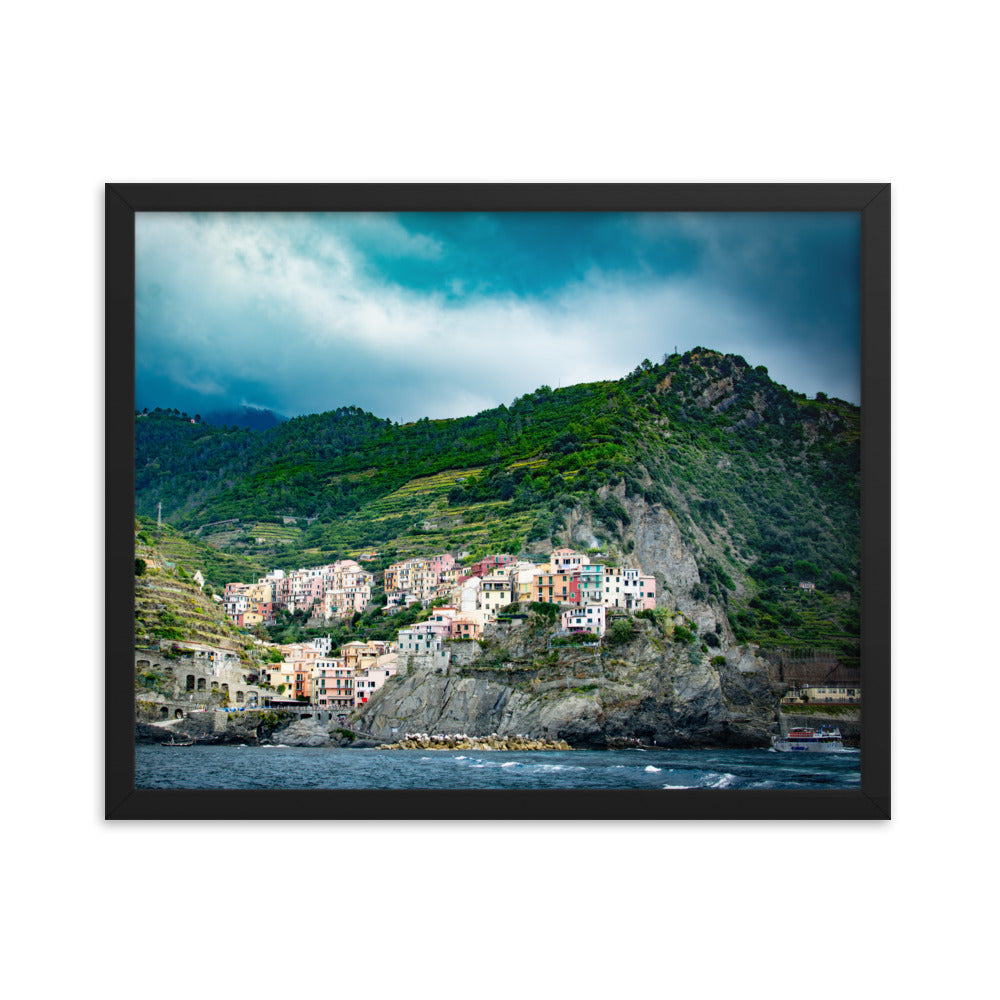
[{"x": 473, "y": 596}]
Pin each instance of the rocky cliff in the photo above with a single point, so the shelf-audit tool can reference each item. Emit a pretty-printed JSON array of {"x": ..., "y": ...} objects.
[
  {"x": 651, "y": 679},
  {"x": 652, "y": 540}
]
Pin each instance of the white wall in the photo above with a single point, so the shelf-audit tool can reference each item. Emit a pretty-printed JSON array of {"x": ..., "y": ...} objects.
[{"x": 445, "y": 91}]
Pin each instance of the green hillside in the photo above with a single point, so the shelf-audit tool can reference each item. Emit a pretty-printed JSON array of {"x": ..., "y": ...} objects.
[
  {"x": 763, "y": 481},
  {"x": 169, "y": 606}
]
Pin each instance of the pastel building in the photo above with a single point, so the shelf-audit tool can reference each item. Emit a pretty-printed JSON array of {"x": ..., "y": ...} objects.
[
  {"x": 490, "y": 563},
  {"x": 469, "y": 594},
  {"x": 419, "y": 638},
  {"x": 442, "y": 563},
  {"x": 590, "y": 579},
  {"x": 360, "y": 655},
  {"x": 613, "y": 585},
  {"x": 448, "y": 582},
  {"x": 590, "y": 618},
  {"x": 236, "y": 600},
  {"x": 333, "y": 685},
  {"x": 372, "y": 677},
  {"x": 522, "y": 581},
  {"x": 556, "y": 588},
  {"x": 303, "y": 680},
  {"x": 467, "y": 625},
  {"x": 639, "y": 590},
  {"x": 567, "y": 560},
  {"x": 495, "y": 593},
  {"x": 282, "y": 678}
]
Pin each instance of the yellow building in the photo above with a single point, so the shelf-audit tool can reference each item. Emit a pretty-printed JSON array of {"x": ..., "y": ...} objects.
[{"x": 281, "y": 674}]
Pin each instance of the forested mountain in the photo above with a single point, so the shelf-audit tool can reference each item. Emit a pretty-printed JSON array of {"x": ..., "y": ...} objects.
[{"x": 761, "y": 482}]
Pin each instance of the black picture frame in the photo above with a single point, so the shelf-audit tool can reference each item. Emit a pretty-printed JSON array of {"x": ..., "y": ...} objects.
[{"x": 124, "y": 801}]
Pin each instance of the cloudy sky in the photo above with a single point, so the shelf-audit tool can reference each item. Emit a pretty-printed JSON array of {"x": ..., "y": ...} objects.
[{"x": 446, "y": 314}]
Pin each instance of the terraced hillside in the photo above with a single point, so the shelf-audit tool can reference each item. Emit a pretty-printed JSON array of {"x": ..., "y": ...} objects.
[
  {"x": 169, "y": 606},
  {"x": 762, "y": 483},
  {"x": 194, "y": 553}
]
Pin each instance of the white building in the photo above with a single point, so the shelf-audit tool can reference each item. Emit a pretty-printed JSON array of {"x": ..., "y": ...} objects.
[{"x": 495, "y": 592}]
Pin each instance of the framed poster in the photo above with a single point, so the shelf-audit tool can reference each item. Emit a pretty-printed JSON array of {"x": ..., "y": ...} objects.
[{"x": 497, "y": 501}]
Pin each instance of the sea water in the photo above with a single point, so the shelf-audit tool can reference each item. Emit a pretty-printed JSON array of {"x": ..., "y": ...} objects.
[{"x": 307, "y": 767}]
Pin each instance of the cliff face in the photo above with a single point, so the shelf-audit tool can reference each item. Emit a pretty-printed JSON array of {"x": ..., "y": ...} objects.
[
  {"x": 651, "y": 683},
  {"x": 651, "y": 541},
  {"x": 647, "y": 686}
]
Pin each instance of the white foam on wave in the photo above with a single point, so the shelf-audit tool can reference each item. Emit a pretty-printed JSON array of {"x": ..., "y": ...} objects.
[
  {"x": 510, "y": 763},
  {"x": 723, "y": 781},
  {"x": 454, "y": 758},
  {"x": 675, "y": 786},
  {"x": 650, "y": 768},
  {"x": 276, "y": 746},
  {"x": 559, "y": 767}
]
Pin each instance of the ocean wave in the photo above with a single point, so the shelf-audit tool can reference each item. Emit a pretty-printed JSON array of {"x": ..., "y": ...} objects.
[
  {"x": 675, "y": 786},
  {"x": 559, "y": 767},
  {"x": 722, "y": 781},
  {"x": 650, "y": 768},
  {"x": 276, "y": 746},
  {"x": 510, "y": 763}
]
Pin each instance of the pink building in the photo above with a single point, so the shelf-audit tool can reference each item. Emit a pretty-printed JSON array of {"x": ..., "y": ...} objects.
[
  {"x": 441, "y": 563},
  {"x": 639, "y": 591},
  {"x": 567, "y": 560},
  {"x": 466, "y": 625},
  {"x": 371, "y": 678},
  {"x": 587, "y": 619},
  {"x": 490, "y": 563},
  {"x": 333, "y": 685}
]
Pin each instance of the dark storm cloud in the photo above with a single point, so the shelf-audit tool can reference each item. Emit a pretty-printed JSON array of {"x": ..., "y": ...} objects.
[{"x": 443, "y": 315}]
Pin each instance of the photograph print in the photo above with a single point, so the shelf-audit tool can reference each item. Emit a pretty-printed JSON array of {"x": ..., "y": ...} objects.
[{"x": 498, "y": 501}]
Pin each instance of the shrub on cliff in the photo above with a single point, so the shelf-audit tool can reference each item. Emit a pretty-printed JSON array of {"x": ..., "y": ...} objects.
[
  {"x": 620, "y": 632},
  {"x": 547, "y": 611}
]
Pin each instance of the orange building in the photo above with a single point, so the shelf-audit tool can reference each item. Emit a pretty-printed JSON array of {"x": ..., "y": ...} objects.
[{"x": 554, "y": 588}]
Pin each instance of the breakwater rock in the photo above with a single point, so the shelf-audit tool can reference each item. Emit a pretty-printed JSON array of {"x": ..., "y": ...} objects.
[
  {"x": 310, "y": 732},
  {"x": 421, "y": 741}
]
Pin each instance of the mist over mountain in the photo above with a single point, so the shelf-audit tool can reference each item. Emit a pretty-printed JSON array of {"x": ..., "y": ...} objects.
[{"x": 254, "y": 417}]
